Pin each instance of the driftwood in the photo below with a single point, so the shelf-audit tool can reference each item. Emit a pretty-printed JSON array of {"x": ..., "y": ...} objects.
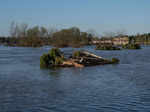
[
  {"x": 91, "y": 54},
  {"x": 86, "y": 59}
]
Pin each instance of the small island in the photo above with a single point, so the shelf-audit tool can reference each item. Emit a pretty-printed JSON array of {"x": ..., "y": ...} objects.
[
  {"x": 131, "y": 46},
  {"x": 118, "y": 43},
  {"x": 56, "y": 58},
  {"x": 113, "y": 47},
  {"x": 107, "y": 47}
]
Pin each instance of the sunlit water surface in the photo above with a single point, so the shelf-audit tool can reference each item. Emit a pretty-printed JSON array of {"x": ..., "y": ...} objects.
[{"x": 24, "y": 87}]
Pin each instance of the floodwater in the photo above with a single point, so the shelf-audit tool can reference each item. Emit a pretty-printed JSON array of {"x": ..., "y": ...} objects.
[{"x": 24, "y": 87}]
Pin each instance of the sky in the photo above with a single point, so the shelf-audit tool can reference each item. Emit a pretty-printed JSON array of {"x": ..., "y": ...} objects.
[{"x": 102, "y": 16}]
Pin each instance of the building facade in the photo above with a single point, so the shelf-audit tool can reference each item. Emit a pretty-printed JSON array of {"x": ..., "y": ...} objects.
[{"x": 113, "y": 41}]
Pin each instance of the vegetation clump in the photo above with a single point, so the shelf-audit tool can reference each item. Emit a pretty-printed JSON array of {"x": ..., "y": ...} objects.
[
  {"x": 53, "y": 58},
  {"x": 107, "y": 47},
  {"x": 70, "y": 37},
  {"x": 131, "y": 46}
]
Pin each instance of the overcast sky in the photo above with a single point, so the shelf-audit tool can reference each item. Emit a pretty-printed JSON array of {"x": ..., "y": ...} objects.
[{"x": 101, "y": 15}]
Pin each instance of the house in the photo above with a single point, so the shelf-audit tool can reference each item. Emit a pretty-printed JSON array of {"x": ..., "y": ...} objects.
[{"x": 121, "y": 40}]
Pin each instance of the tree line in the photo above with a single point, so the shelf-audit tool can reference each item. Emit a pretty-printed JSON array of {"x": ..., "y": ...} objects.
[
  {"x": 37, "y": 36},
  {"x": 143, "y": 39},
  {"x": 23, "y": 35}
]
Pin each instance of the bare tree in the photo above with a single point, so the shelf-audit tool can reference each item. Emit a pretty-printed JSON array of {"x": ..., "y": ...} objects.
[
  {"x": 18, "y": 30},
  {"x": 13, "y": 29},
  {"x": 23, "y": 30},
  {"x": 92, "y": 32},
  {"x": 109, "y": 34},
  {"x": 43, "y": 32},
  {"x": 121, "y": 32}
]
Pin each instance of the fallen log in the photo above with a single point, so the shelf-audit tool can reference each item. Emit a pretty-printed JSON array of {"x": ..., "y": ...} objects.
[{"x": 91, "y": 54}]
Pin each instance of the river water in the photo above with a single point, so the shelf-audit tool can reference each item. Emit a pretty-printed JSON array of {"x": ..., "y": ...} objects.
[{"x": 24, "y": 87}]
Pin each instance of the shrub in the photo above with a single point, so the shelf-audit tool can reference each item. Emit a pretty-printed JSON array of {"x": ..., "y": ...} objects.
[
  {"x": 55, "y": 52},
  {"x": 58, "y": 60},
  {"x": 44, "y": 61},
  {"x": 53, "y": 58}
]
